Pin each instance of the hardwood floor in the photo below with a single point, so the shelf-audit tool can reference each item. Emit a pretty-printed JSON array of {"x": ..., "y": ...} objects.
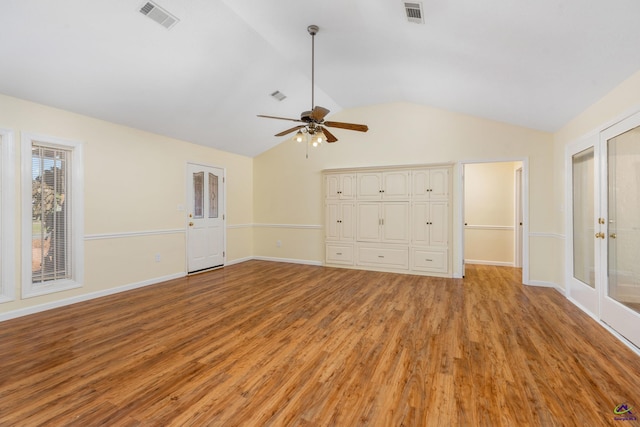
[{"x": 263, "y": 343}]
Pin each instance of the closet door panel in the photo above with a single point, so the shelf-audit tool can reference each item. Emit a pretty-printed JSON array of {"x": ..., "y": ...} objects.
[{"x": 368, "y": 222}]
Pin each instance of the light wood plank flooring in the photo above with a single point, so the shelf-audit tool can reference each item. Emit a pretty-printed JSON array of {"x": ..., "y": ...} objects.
[{"x": 263, "y": 343}]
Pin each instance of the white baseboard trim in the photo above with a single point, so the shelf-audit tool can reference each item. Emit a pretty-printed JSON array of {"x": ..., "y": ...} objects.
[
  {"x": 238, "y": 260},
  {"x": 289, "y": 260},
  {"x": 543, "y": 284},
  {"x": 86, "y": 297},
  {"x": 484, "y": 262}
]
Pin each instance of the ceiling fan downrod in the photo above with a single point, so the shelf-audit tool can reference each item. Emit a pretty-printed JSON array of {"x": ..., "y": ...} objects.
[{"x": 313, "y": 30}]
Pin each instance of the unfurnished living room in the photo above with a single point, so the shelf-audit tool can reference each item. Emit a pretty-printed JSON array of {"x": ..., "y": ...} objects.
[{"x": 287, "y": 213}]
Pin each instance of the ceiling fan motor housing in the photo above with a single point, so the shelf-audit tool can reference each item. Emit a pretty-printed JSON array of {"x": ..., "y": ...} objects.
[{"x": 305, "y": 116}]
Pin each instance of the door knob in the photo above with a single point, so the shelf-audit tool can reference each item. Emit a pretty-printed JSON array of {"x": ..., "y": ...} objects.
[
  {"x": 613, "y": 235},
  {"x": 190, "y": 224},
  {"x": 599, "y": 235}
]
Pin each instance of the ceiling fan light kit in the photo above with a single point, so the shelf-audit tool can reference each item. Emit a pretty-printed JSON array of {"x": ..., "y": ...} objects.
[{"x": 314, "y": 130}]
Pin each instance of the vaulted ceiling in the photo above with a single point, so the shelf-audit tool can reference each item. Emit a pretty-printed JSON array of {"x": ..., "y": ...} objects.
[{"x": 535, "y": 64}]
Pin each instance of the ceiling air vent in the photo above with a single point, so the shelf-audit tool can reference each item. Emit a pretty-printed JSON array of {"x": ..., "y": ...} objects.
[
  {"x": 158, "y": 14},
  {"x": 278, "y": 95},
  {"x": 414, "y": 12}
]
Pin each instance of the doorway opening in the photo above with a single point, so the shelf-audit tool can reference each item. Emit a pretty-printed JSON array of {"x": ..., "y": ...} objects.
[{"x": 493, "y": 216}]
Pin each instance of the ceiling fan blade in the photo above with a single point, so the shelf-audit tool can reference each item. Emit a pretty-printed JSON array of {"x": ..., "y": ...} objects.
[
  {"x": 318, "y": 113},
  {"x": 350, "y": 126},
  {"x": 284, "y": 132},
  {"x": 330, "y": 137},
  {"x": 280, "y": 118}
]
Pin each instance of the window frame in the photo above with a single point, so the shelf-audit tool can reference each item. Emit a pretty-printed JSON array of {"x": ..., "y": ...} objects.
[
  {"x": 7, "y": 217},
  {"x": 76, "y": 212}
]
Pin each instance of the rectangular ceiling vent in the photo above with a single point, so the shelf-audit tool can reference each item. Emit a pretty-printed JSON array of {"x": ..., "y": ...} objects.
[
  {"x": 158, "y": 14},
  {"x": 414, "y": 12},
  {"x": 278, "y": 95}
]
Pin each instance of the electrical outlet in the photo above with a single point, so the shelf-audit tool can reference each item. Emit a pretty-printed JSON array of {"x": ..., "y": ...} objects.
[
  {"x": 157, "y": 257},
  {"x": 279, "y": 243}
]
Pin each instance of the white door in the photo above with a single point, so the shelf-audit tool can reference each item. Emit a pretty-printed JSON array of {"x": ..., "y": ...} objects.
[
  {"x": 347, "y": 186},
  {"x": 620, "y": 238},
  {"x": 369, "y": 186},
  {"x": 395, "y": 185},
  {"x": 439, "y": 184},
  {"x": 438, "y": 224},
  {"x": 339, "y": 221},
  {"x": 332, "y": 186},
  {"x": 584, "y": 225},
  {"x": 347, "y": 211},
  {"x": 395, "y": 222},
  {"x": 332, "y": 221},
  {"x": 206, "y": 214},
  {"x": 420, "y": 223},
  {"x": 369, "y": 222}
]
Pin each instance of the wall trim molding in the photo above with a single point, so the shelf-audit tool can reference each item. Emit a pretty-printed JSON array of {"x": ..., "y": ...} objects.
[
  {"x": 230, "y": 226},
  {"x": 86, "y": 297},
  {"x": 293, "y": 226},
  {"x": 126, "y": 234},
  {"x": 266, "y": 225}
]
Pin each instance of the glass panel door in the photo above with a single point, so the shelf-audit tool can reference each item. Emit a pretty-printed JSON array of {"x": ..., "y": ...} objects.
[
  {"x": 621, "y": 296},
  {"x": 623, "y": 160},
  {"x": 583, "y": 217},
  {"x": 205, "y": 222},
  {"x": 583, "y": 206}
]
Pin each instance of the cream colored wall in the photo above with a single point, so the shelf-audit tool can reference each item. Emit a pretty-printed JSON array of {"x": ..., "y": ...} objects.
[
  {"x": 134, "y": 182},
  {"x": 621, "y": 102},
  {"x": 489, "y": 212},
  {"x": 288, "y": 187}
]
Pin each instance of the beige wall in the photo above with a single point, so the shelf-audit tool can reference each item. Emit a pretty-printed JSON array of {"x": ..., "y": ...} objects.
[
  {"x": 288, "y": 187},
  {"x": 134, "y": 182},
  {"x": 280, "y": 190},
  {"x": 621, "y": 102},
  {"x": 489, "y": 207}
]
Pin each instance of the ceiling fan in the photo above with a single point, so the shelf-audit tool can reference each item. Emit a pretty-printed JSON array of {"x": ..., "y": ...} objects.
[{"x": 314, "y": 123}]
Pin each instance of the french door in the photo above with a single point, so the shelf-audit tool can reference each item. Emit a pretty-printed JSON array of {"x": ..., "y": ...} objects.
[
  {"x": 584, "y": 223},
  {"x": 604, "y": 226},
  {"x": 205, "y": 227},
  {"x": 620, "y": 237}
]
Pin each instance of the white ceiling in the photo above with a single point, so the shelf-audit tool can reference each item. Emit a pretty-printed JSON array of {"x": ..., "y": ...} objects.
[{"x": 531, "y": 63}]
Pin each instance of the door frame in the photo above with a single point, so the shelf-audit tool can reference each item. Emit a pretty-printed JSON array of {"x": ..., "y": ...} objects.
[
  {"x": 185, "y": 208},
  {"x": 458, "y": 229}
]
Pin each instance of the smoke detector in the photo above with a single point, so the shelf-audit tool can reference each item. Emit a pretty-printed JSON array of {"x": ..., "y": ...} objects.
[
  {"x": 414, "y": 12},
  {"x": 156, "y": 13}
]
